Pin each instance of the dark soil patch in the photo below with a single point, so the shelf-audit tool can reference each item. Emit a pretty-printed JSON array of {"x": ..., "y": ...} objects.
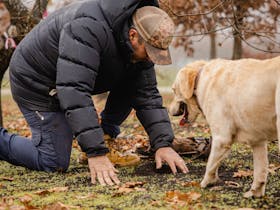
[{"x": 148, "y": 168}]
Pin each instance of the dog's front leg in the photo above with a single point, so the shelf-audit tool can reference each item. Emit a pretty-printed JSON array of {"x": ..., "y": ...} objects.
[
  {"x": 219, "y": 150},
  {"x": 260, "y": 171}
]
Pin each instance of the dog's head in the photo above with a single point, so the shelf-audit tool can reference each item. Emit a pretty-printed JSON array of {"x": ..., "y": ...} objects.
[{"x": 184, "y": 101}]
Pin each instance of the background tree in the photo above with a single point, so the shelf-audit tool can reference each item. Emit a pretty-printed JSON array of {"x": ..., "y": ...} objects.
[
  {"x": 23, "y": 19},
  {"x": 250, "y": 22}
]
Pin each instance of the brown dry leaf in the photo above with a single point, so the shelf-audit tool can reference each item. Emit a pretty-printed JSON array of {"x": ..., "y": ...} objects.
[
  {"x": 58, "y": 189},
  {"x": 8, "y": 203},
  {"x": 55, "y": 189},
  {"x": 191, "y": 184},
  {"x": 241, "y": 173},
  {"x": 245, "y": 209},
  {"x": 179, "y": 198},
  {"x": 123, "y": 159},
  {"x": 6, "y": 178},
  {"x": 42, "y": 192},
  {"x": 13, "y": 207},
  {"x": 273, "y": 168},
  {"x": 60, "y": 206},
  {"x": 124, "y": 190},
  {"x": 129, "y": 187},
  {"x": 26, "y": 199},
  {"x": 133, "y": 184},
  {"x": 8, "y": 200},
  {"x": 86, "y": 196},
  {"x": 232, "y": 184}
]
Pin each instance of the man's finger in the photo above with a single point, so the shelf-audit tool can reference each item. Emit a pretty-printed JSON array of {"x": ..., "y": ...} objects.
[
  {"x": 100, "y": 178},
  {"x": 115, "y": 170},
  {"x": 114, "y": 177},
  {"x": 182, "y": 165},
  {"x": 107, "y": 178},
  {"x": 93, "y": 176},
  {"x": 158, "y": 162},
  {"x": 172, "y": 166}
]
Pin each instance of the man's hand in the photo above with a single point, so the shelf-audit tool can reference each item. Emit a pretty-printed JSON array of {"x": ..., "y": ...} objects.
[
  {"x": 168, "y": 155},
  {"x": 101, "y": 168}
]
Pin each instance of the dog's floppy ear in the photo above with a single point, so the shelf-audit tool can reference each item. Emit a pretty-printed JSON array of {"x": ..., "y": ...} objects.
[
  {"x": 188, "y": 78},
  {"x": 187, "y": 82}
]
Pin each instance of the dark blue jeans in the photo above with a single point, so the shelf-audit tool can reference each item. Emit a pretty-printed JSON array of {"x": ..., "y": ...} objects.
[
  {"x": 49, "y": 149},
  {"x": 50, "y": 146}
]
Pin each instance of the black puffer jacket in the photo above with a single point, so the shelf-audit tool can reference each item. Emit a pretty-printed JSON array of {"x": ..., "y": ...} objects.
[{"x": 82, "y": 50}]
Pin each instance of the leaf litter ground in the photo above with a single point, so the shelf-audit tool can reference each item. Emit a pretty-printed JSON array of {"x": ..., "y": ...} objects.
[{"x": 143, "y": 187}]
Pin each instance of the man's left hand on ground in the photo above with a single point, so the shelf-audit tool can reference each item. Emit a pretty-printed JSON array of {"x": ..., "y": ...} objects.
[{"x": 168, "y": 155}]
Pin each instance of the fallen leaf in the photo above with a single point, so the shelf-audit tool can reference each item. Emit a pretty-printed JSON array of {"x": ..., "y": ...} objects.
[
  {"x": 86, "y": 196},
  {"x": 244, "y": 209},
  {"x": 6, "y": 178},
  {"x": 133, "y": 184},
  {"x": 179, "y": 198},
  {"x": 155, "y": 203},
  {"x": 129, "y": 187},
  {"x": 8, "y": 203},
  {"x": 124, "y": 190},
  {"x": 191, "y": 184},
  {"x": 58, "y": 189},
  {"x": 60, "y": 206},
  {"x": 26, "y": 199},
  {"x": 42, "y": 192},
  {"x": 241, "y": 173},
  {"x": 232, "y": 184},
  {"x": 55, "y": 189},
  {"x": 273, "y": 168}
]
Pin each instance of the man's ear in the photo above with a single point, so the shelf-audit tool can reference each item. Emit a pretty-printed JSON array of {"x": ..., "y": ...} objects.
[
  {"x": 187, "y": 82},
  {"x": 133, "y": 35}
]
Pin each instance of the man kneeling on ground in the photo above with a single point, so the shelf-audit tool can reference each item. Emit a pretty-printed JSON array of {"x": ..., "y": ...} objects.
[{"x": 84, "y": 49}]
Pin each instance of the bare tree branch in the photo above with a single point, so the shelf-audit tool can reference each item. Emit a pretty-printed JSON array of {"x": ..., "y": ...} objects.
[
  {"x": 194, "y": 14},
  {"x": 238, "y": 33},
  {"x": 203, "y": 33}
]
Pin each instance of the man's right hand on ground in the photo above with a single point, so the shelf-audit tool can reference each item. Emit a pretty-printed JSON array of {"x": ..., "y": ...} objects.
[{"x": 101, "y": 168}]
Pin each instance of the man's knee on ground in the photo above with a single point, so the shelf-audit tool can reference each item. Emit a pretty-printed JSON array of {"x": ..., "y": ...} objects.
[{"x": 54, "y": 166}]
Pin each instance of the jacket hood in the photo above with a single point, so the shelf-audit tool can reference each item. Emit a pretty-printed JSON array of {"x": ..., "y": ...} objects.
[{"x": 116, "y": 12}]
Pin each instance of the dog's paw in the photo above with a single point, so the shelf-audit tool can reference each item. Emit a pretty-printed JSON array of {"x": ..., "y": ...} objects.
[
  {"x": 209, "y": 181},
  {"x": 204, "y": 183},
  {"x": 253, "y": 193}
]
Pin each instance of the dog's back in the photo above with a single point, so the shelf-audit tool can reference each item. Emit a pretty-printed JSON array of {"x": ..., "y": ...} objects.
[{"x": 243, "y": 93}]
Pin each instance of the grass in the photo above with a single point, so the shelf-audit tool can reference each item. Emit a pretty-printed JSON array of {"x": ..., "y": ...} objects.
[{"x": 17, "y": 184}]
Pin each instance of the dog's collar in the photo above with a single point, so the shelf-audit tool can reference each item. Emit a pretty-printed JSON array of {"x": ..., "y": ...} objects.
[{"x": 195, "y": 87}]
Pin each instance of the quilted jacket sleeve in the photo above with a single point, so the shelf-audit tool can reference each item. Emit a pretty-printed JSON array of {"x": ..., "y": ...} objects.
[
  {"x": 80, "y": 46},
  {"x": 147, "y": 102}
]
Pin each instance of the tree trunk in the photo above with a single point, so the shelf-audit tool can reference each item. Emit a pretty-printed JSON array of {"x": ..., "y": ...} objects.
[
  {"x": 213, "y": 49},
  {"x": 237, "y": 48},
  {"x": 24, "y": 21},
  {"x": 238, "y": 21}
]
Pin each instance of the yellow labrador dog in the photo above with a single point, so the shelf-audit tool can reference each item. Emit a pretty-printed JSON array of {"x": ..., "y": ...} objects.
[{"x": 241, "y": 103}]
